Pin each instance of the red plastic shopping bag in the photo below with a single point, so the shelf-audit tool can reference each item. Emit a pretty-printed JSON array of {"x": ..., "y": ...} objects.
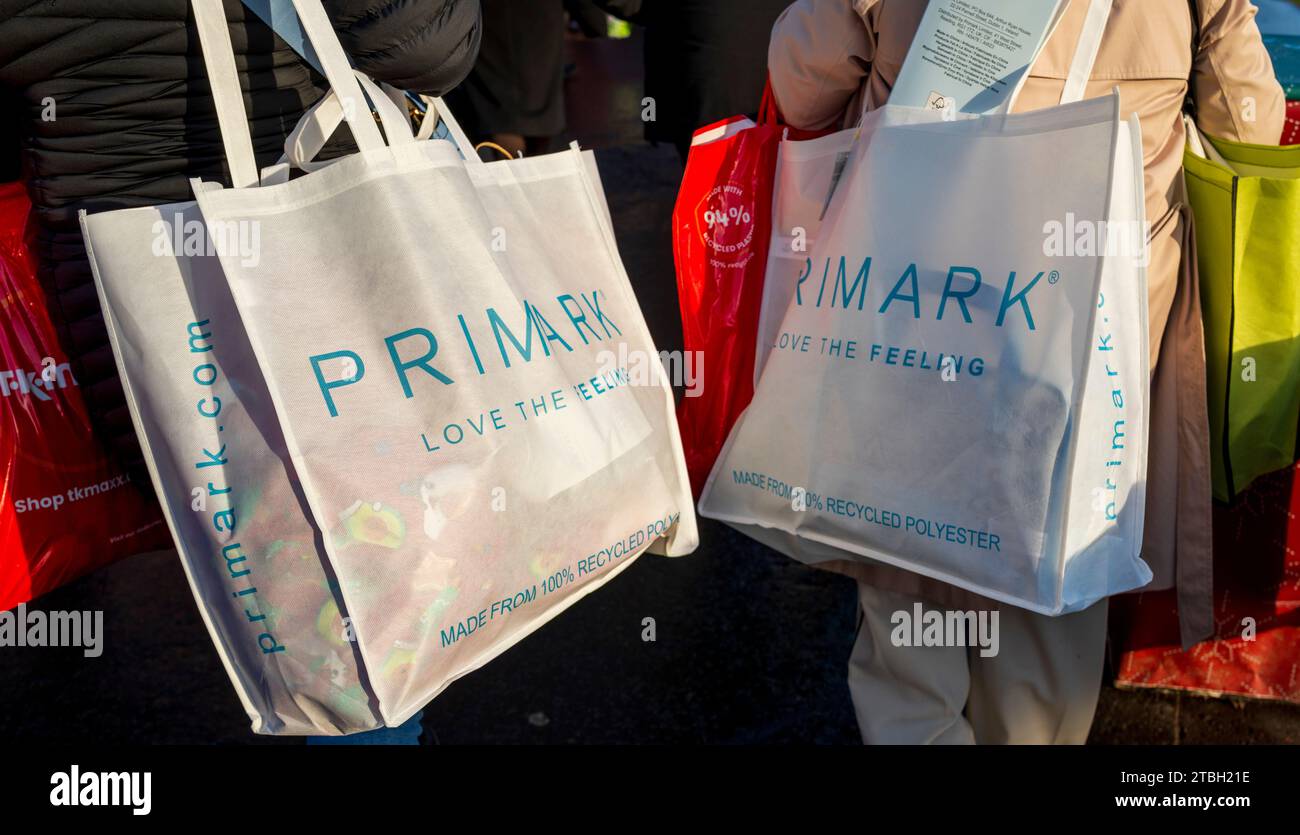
[
  {"x": 64, "y": 510},
  {"x": 721, "y": 230},
  {"x": 1255, "y": 650}
]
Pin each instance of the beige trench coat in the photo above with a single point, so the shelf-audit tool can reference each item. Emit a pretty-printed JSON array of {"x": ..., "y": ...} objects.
[{"x": 830, "y": 59}]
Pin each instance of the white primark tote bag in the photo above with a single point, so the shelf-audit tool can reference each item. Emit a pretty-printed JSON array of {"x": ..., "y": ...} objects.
[
  {"x": 217, "y": 456},
  {"x": 459, "y": 366},
  {"x": 953, "y": 388}
]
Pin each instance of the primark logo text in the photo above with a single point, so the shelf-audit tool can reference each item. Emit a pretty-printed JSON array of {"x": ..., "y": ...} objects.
[
  {"x": 103, "y": 788},
  {"x": 964, "y": 290}
]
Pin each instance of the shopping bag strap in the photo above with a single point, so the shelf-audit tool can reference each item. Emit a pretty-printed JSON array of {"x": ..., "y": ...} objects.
[
  {"x": 218, "y": 57},
  {"x": 308, "y": 137},
  {"x": 437, "y": 112},
  {"x": 279, "y": 15},
  {"x": 334, "y": 65},
  {"x": 442, "y": 113},
  {"x": 305, "y": 142},
  {"x": 1200, "y": 145},
  {"x": 219, "y": 61},
  {"x": 1085, "y": 52}
]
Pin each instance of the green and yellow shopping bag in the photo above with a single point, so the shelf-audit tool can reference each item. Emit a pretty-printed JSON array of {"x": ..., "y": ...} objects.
[{"x": 1246, "y": 200}]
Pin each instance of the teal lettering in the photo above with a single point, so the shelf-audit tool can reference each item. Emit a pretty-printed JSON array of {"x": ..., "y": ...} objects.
[
  {"x": 421, "y": 362},
  {"x": 960, "y": 297},
  {"x": 1019, "y": 298},
  {"x": 325, "y": 387},
  {"x": 915, "y": 298}
]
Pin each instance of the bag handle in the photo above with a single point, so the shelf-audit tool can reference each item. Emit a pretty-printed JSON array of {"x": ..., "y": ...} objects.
[
  {"x": 218, "y": 58},
  {"x": 338, "y": 72},
  {"x": 219, "y": 61},
  {"x": 322, "y": 119},
  {"x": 436, "y": 110},
  {"x": 320, "y": 122},
  {"x": 1200, "y": 145},
  {"x": 1085, "y": 52}
]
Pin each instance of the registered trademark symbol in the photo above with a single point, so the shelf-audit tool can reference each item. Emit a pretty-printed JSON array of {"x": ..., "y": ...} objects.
[{"x": 1053, "y": 277}]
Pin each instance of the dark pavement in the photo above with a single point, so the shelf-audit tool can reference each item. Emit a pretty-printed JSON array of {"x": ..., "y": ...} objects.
[{"x": 751, "y": 647}]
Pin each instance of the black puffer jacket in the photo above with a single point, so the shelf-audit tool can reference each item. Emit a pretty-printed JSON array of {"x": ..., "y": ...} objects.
[{"x": 133, "y": 121}]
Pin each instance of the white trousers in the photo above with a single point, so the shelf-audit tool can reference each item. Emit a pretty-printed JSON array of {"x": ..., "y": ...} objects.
[{"x": 1040, "y": 688}]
